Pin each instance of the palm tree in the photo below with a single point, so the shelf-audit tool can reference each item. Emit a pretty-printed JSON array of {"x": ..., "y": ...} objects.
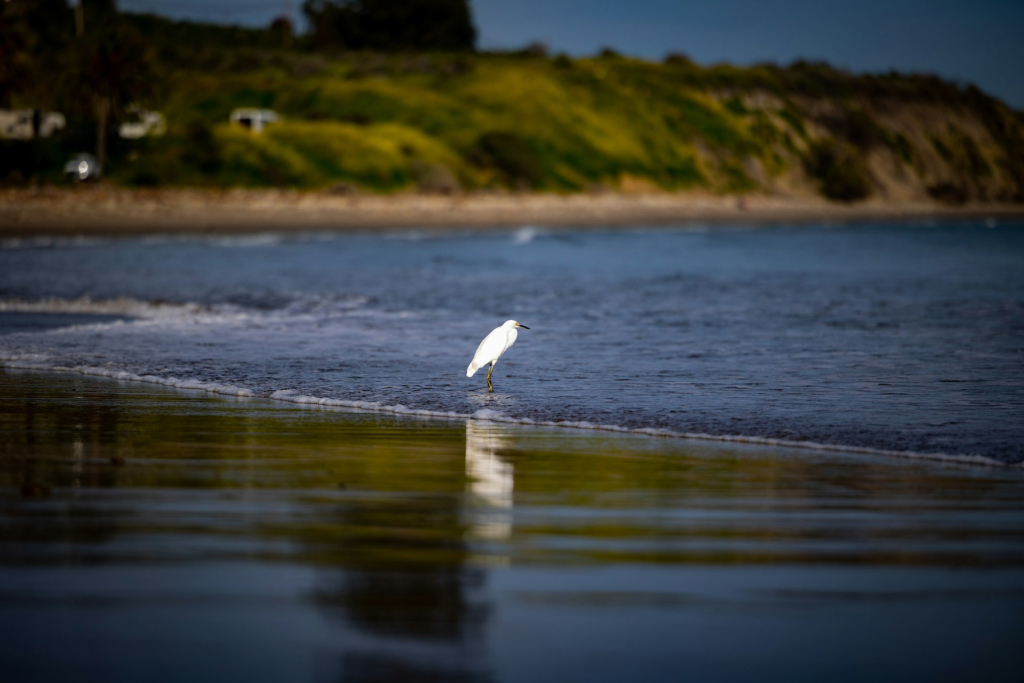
[
  {"x": 113, "y": 69},
  {"x": 15, "y": 56}
]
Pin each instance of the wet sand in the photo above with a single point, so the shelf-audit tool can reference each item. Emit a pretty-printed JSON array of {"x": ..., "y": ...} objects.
[
  {"x": 110, "y": 211},
  {"x": 154, "y": 533}
]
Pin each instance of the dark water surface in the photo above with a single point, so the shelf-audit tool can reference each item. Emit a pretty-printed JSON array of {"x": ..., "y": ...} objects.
[
  {"x": 14, "y": 322},
  {"x": 163, "y": 535},
  {"x": 892, "y": 337}
]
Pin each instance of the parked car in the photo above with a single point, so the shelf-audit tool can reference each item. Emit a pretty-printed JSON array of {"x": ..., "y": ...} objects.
[
  {"x": 254, "y": 119},
  {"x": 141, "y": 123},
  {"x": 26, "y": 124},
  {"x": 83, "y": 167}
]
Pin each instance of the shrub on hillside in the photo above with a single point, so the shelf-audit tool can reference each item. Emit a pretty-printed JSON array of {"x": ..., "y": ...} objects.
[
  {"x": 435, "y": 179},
  {"x": 24, "y": 161},
  {"x": 511, "y": 155},
  {"x": 841, "y": 173},
  {"x": 949, "y": 193},
  {"x": 679, "y": 59},
  {"x": 537, "y": 49},
  {"x": 735, "y": 105},
  {"x": 562, "y": 61},
  {"x": 855, "y": 126},
  {"x": 201, "y": 148}
]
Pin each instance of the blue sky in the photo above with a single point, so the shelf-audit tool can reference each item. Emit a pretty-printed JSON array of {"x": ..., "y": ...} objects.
[{"x": 980, "y": 41}]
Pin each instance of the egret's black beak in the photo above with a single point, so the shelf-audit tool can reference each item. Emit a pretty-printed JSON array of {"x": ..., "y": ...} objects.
[{"x": 522, "y": 326}]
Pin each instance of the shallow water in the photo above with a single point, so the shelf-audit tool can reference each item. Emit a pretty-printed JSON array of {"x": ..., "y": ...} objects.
[
  {"x": 157, "y": 534},
  {"x": 890, "y": 337}
]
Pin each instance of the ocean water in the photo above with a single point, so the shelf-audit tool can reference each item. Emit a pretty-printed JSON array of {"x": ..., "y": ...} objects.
[{"x": 881, "y": 337}]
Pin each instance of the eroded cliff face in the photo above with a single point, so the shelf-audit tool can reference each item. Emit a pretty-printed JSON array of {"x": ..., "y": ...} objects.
[{"x": 884, "y": 148}]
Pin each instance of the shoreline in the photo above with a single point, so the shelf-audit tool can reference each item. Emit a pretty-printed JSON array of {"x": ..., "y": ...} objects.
[
  {"x": 102, "y": 211},
  {"x": 376, "y": 408}
]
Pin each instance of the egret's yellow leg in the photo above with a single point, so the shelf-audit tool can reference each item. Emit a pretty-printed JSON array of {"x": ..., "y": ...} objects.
[{"x": 489, "y": 387}]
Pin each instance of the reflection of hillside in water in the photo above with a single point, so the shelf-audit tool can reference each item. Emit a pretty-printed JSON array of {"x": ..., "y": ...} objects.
[
  {"x": 390, "y": 547},
  {"x": 433, "y": 610},
  {"x": 357, "y": 547},
  {"x": 404, "y": 572},
  {"x": 61, "y": 445},
  {"x": 490, "y": 481}
]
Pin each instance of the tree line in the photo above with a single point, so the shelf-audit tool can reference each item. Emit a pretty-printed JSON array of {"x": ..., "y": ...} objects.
[
  {"x": 391, "y": 25},
  {"x": 92, "y": 61}
]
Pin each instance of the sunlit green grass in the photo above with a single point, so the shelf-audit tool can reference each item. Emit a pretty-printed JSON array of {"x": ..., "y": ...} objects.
[
  {"x": 512, "y": 121},
  {"x": 590, "y": 124},
  {"x": 317, "y": 153}
]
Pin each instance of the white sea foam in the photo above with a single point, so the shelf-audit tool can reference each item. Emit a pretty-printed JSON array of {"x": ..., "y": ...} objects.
[
  {"x": 50, "y": 242},
  {"x": 126, "y": 306},
  {"x": 524, "y": 235},
  {"x": 260, "y": 239},
  {"x": 303, "y": 308},
  {"x": 266, "y": 239},
  {"x": 40, "y": 362}
]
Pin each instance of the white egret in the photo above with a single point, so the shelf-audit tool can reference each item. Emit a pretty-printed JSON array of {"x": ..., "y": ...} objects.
[{"x": 496, "y": 343}]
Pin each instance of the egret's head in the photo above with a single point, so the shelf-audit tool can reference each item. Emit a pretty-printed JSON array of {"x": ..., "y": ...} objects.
[{"x": 513, "y": 323}]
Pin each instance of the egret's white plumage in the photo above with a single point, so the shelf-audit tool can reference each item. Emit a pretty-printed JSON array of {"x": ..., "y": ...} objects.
[{"x": 496, "y": 343}]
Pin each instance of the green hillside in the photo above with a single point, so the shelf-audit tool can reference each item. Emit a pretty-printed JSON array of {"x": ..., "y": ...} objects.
[{"x": 444, "y": 122}]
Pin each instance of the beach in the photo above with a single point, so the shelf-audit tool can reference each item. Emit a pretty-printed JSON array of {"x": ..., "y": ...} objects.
[{"x": 112, "y": 211}]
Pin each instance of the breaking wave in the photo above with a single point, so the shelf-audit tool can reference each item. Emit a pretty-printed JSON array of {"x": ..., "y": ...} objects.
[{"x": 122, "y": 306}]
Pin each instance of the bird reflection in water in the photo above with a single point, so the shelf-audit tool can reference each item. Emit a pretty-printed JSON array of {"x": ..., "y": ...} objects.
[
  {"x": 489, "y": 480},
  {"x": 410, "y": 584}
]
